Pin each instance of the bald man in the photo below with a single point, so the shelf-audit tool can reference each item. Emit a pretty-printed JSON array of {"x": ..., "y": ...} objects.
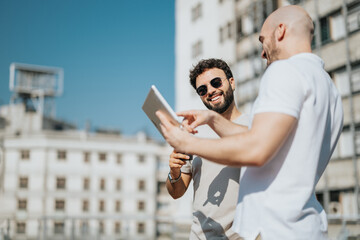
[{"x": 296, "y": 121}]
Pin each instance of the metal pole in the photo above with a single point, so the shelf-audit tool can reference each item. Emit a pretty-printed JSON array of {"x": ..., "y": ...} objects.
[
  {"x": 351, "y": 105},
  {"x": 317, "y": 35}
]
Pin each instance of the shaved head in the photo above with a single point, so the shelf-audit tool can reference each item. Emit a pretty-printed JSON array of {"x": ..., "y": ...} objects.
[
  {"x": 287, "y": 31},
  {"x": 296, "y": 19}
]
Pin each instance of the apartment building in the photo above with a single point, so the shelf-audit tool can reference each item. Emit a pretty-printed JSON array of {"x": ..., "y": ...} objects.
[
  {"x": 59, "y": 182},
  {"x": 229, "y": 29}
]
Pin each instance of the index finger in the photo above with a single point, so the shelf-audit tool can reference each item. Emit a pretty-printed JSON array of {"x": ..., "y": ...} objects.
[
  {"x": 163, "y": 119},
  {"x": 186, "y": 113}
]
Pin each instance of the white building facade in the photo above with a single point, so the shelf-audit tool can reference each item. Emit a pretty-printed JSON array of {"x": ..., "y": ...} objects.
[
  {"x": 70, "y": 183},
  {"x": 58, "y": 182},
  {"x": 229, "y": 29}
]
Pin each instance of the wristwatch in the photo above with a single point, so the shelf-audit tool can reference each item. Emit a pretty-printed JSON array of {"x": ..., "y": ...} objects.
[{"x": 173, "y": 180}]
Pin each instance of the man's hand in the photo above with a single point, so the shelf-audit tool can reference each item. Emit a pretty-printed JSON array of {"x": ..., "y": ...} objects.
[
  {"x": 176, "y": 162},
  {"x": 178, "y": 138},
  {"x": 195, "y": 118}
]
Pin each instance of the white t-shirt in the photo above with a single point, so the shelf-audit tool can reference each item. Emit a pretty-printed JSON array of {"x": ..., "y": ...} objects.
[
  {"x": 216, "y": 189},
  {"x": 278, "y": 199}
]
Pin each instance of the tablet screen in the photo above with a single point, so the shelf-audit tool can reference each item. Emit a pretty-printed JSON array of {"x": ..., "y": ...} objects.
[{"x": 154, "y": 102}]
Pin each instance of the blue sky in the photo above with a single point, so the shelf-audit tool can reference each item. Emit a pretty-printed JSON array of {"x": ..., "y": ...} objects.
[{"x": 111, "y": 52}]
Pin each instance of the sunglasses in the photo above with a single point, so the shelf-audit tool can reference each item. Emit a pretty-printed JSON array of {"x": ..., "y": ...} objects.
[{"x": 215, "y": 83}]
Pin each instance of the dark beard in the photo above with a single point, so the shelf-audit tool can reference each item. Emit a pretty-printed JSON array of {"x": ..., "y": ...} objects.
[{"x": 229, "y": 98}]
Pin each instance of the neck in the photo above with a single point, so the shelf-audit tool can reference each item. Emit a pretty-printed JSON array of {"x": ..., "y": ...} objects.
[
  {"x": 231, "y": 113},
  {"x": 301, "y": 47}
]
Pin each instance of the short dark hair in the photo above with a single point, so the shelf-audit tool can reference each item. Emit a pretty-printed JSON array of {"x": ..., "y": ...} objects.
[{"x": 207, "y": 64}]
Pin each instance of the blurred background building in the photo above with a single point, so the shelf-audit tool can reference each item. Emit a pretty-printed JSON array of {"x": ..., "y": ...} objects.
[
  {"x": 63, "y": 183},
  {"x": 60, "y": 182},
  {"x": 229, "y": 29}
]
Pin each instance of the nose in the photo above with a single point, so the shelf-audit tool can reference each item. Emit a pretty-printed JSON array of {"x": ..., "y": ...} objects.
[
  {"x": 210, "y": 89},
  {"x": 263, "y": 54}
]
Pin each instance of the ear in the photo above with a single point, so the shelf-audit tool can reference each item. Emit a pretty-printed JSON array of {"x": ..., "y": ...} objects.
[
  {"x": 232, "y": 83},
  {"x": 280, "y": 32}
]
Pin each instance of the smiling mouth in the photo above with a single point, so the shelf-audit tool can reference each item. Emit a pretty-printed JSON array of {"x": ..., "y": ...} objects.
[{"x": 215, "y": 98}]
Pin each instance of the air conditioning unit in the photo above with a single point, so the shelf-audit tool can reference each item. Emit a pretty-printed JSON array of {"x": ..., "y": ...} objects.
[{"x": 335, "y": 208}]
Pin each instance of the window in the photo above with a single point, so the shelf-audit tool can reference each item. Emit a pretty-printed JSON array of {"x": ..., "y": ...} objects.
[
  {"x": 229, "y": 30},
  {"x": 117, "y": 227},
  {"x": 102, "y": 157},
  {"x": 353, "y": 19},
  {"x": 337, "y": 28},
  {"x": 86, "y": 157},
  {"x": 221, "y": 35},
  {"x": 325, "y": 30},
  {"x": 86, "y": 183},
  {"x": 141, "y": 185},
  {"x": 22, "y": 204},
  {"x": 60, "y": 183},
  {"x": 20, "y": 227},
  {"x": 59, "y": 205},
  {"x": 141, "y": 227},
  {"x": 141, "y": 205},
  {"x": 239, "y": 29},
  {"x": 84, "y": 227},
  {"x": 85, "y": 206},
  {"x": 23, "y": 182},
  {"x": 61, "y": 155},
  {"x": 25, "y": 154},
  {"x": 101, "y": 227},
  {"x": 59, "y": 227},
  {"x": 101, "y": 206},
  {"x": 357, "y": 141},
  {"x": 197, "y": 49},
  {"x": 117, "y": 206},
  {"x": 119, "y": 158},
  {"x": 141, "y": 159},
  {"x": 196, "y": 12},
  {"x": 102, "y": 184},
  {"x": 118, "y": 184}
]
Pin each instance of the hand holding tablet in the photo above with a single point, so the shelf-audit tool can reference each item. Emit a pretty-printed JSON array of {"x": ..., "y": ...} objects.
[{"x": 156, "y": 102}]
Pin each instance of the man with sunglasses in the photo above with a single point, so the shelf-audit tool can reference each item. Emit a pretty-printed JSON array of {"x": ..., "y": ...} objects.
[
  {"x": 215, "y": 186},
  {"x": 296, "y": 122}
]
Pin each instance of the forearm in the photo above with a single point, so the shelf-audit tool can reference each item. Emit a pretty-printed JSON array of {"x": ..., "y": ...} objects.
[
  {"x": 236, "y": 150},
  {"x": 224, "y": 127},
  {"x": 176, "y": 190}
]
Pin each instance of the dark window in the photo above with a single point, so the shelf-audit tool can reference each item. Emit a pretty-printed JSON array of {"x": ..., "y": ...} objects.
[
  {"x": 25, "y": 154},
  {"x": 22, "y": 204},
  {"x": 325, "y": 30},
  {"x": 60, "y": 183},
  {"x": 118, "y": 184},
  {"x": 141, "y": 228},
  {"x": 102, "y": 157},
  {"x": 119, "y": 158},
  {"x": 141, "y": 185},
  {"x": 101, "y": 206},
  {"x": 86, "y": 183},
  {"x": 85, "y": 206},
  {"x": 117, "y": 206},
  {"x": 196, "y": 12},
  {"x": 61, "y": 155},
  {"x": 102, "y": 184},
  {"x": 20, "y": 228},
  {"x": 141, "y": 205},
  {"x": 86, "y": 157},
  {"x": 101, "y": 227},
  {"x": 59, "y": 227},
  {"x": 59, "y": 205},
  {"x": 23, "y": 182},
  {"x": 117, "y": 227}
]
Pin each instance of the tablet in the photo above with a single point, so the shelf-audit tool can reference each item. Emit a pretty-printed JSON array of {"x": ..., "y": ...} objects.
[{"x": 154, "y": 102}]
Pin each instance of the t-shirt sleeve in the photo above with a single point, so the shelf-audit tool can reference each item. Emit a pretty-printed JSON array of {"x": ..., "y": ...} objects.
[
  {"x": 281, "y": 90},
  {"x": 187, "y": 168}
]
